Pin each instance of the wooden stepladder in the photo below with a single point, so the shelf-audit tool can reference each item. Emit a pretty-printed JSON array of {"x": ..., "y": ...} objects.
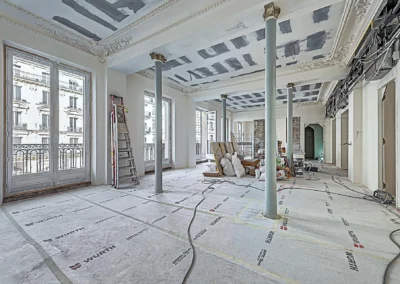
[{"x": 122, "y": 160}]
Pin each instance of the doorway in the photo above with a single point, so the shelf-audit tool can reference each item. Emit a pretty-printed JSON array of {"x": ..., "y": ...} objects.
[
  {"x": 334, "y": 141},
  {"x": 309, "y": 142},
  {"x": 389, "y": 139},
  {"x": 344, "y": 140},
  {"x": 47, "y": 123}
]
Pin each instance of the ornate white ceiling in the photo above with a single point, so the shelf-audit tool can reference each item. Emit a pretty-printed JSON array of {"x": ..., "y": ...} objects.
[{"x": 208, "y": 38}]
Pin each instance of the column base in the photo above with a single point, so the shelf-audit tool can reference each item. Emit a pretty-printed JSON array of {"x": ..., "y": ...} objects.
[{"x": 272, "y": 216}]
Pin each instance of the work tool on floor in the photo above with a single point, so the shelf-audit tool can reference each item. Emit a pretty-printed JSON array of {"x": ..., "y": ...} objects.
[{"x": 122, "y": 160}]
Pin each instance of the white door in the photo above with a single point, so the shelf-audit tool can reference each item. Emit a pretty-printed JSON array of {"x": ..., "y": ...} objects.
[{"x": 38, "y": 156}]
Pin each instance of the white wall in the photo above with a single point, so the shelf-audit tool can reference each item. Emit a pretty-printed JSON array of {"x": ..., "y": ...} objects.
[
  {"x": 328, "y": 141},
  {"x": 183, "y": 122},
  {"x": 38, "y": 44},
  {"x": 355, "y": 136},
  {"x": 311, "y": 114},
  {"x": 370, "y": 130}
]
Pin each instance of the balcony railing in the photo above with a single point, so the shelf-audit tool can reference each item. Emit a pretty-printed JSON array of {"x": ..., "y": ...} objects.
[
  {"x": 150, "y": 151},
  {"x": 74, "y": 129},
  {"x": 22, "y": 126},
  {"x": 44, "y": 127},
  {"x": 70, "y": 87},
  {"x": 198, "y": 149},
  {"x": 35, "y": 158},
  {"x": 44, "y": 78}
]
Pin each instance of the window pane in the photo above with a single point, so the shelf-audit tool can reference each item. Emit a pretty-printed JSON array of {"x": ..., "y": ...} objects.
[
  {"x": 150, "y": 124},
  {"x": 71, "y": 120},
  {"x": 31, "y": 153},
  {"x": 211, "y": 115}
]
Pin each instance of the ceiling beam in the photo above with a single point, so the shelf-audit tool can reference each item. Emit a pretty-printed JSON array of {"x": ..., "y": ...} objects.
[{"x": 256, "y": 83}]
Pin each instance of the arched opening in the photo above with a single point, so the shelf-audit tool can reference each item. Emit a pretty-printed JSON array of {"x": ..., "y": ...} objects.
[
  {"x": 309, "y": 142},
  {"x": 314, "y": 141}
]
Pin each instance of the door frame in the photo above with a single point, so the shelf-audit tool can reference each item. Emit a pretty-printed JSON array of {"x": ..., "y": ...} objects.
[{"x": 54, "y": 177}]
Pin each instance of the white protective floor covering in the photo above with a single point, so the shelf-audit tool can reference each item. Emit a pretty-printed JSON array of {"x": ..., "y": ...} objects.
[{"x": 102, "y": 235}]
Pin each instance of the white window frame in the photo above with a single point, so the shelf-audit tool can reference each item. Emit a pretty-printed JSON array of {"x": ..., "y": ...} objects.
[
  {"x": 55, "y": 176},
  {"x": 167, "y": 162}
]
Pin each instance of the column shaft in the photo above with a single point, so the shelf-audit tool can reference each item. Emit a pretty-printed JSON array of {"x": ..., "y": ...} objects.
[
  {"x": 270, "y": 115},
  {"x": 158, "y": 109},
  {"x": 224, "y": 134},
  {"x": 289, "y": 144}
]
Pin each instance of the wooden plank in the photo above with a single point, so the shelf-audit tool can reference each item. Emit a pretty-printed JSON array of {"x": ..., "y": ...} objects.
[
  {"x": 217, "y": 151},
  {"x": 229, "y": 148}
]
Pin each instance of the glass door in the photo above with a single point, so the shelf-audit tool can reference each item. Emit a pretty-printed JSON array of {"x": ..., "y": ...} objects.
[
  {"x": 36, "y": 155},
  {"x": 150, "y": 134},
  {"x": 73, "y": 126}
]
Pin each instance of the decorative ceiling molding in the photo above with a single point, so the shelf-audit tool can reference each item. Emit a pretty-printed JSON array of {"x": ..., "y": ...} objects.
[
  {"x": 108, "y": 46},
  {"x": 361, "y": 7},
  {"x": 139, "y": 21}
]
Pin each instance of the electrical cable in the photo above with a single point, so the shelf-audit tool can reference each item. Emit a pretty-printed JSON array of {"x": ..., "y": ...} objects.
[
  {"x": 394, "y": 259},
  {"x": 190, "y": 237}
]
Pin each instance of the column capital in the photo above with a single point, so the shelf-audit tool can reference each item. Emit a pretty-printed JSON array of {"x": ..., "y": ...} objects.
[
  {"x": 224, "y": 96},
  {"x": 271, "y": 11},
  {"x": 290, "y": 85},
  {"x": 158, "y": 57}
]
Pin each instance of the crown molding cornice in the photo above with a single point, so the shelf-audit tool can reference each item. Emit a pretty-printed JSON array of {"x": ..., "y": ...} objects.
[{"x": 108, "y": 46}]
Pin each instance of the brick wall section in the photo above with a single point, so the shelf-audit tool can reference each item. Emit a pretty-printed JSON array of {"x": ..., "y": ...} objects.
[{"x": 259, "y": 135}]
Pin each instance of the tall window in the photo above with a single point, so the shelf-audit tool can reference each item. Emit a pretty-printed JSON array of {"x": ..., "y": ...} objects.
[
  {"x": 240, "y": 130},
  {"x": 73, "y": 102},
  {"x": 72, "y": 124},
  {"x": 150, "y": 131},
  {"x": 17, "y": 118},
  {"x": 45, "y": 121},
  {"x": 45, "y": 78},
  {"x": 212, "y": 130},
  {"x": 198, "y": 132},
  {"x": 45, "y": 97},
  {"x": 30, "y": 80},
  {"x": 17, "y": 93}
]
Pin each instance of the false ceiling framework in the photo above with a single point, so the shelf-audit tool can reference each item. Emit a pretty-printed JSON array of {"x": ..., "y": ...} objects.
[
  {"x": 305, "y": 38},
  {"x": 209, "y": 44},
  {"x": 250, "y": 101}
]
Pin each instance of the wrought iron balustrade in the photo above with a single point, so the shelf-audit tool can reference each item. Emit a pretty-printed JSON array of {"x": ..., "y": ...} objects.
[
  {"x": 22, "y": 126},
  {"x": 150, "y": 151},
  {"x": 35, "y": 158},
  {"x": 198, "y": 149},
  {"x": 70, "y": 87},
  {"x": 74, "y": 129},
  {"x": 43, "y": 78}
]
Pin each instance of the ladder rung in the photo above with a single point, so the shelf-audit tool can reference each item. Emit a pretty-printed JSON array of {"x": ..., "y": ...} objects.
[
  {"x": 127, "y": 167},
  {"x": 126, "y": 177},
  {"x": 124, "y": 150},
  {"x": 125, "y": 158}
]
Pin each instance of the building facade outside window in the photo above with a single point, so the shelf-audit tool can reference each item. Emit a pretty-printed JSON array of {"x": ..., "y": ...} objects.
[{"x": 150, "y": 131}]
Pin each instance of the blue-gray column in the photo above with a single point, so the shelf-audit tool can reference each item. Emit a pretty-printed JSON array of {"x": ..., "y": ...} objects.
[
  {"x": 224, "y": 134},
  {"x": 271, "y": 13},
  {"x": 159, "y": 60},
  {"x": 289, "y": 144}
]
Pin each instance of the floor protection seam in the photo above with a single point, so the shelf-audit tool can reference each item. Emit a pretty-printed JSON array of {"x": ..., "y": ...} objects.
[
  {"x": 306, "y": 239},
  {"x": 240, "y": 262},
  {"x": 57, "y": 272}
]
